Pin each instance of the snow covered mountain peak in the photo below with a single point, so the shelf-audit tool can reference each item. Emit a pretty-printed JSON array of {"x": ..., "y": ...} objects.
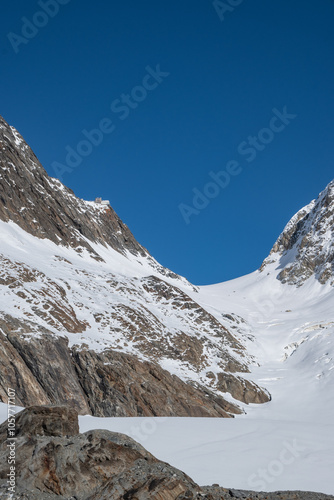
[
  {"x": 306, "y": 246},
  {"x": 45, "y": 208},
  {"x": 75, "y": 282}
]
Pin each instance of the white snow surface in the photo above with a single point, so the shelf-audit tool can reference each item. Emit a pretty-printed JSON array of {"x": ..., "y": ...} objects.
[{"x": 287, "y": 443}]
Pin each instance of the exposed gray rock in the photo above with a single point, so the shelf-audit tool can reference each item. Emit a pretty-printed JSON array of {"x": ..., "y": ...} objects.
[
  {"x": 44, "y": 207},
  {"x": 49, "y": 360},
  {"x": 242, "y": 390},
  {"x": 43, "y": 370},
  {"x": 95, "y": 465},
  {"x": 305, "y": 247},
  {"x": 56, "y": 421},
  {"x": 54, "y": 461},
  {"x": 118, "y": 384}
]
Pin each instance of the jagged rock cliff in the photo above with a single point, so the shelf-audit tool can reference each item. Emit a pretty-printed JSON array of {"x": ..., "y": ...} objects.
[
  {"x": 45, "y": 370},
  {"x": 45, "y": 208},
  {"x": 306, "y": 246}
]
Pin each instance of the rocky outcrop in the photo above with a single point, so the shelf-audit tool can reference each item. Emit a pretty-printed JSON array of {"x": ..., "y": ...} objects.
[
  {"x": 57, "y": 421},
  {"x": 45, "y": 208},
  {"x": 118, "y": 384},
  {"x": 217, "y": 493},
  {"x": 45, "y": 370},
  {"x": 305, "y": 247},
  {"x": 54, "y": 461},
  {"x": 242, "y": 390}
]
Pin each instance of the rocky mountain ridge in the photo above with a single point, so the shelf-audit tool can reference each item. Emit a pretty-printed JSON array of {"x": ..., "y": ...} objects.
[
  {"x": 45, "y": 208},
  {"x": 88, "y": 319},
  {"x": 76, "y": 285},
  {"x": 306, "y": 246}
]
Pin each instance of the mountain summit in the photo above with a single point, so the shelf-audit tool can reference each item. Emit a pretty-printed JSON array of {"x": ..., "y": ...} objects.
[
  {"x": 306, "y": 246},
  {"x": 125, "y": 335},
  {"x": 44, "y": 207}
]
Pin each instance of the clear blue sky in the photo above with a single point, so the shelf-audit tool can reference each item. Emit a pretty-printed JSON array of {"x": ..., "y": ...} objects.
[{"x": 225, "y": 78}]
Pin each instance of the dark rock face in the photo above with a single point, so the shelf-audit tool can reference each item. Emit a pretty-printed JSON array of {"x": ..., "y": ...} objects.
[
  {"x": 44, "y": 207},
  {"x": 95, "y": 465},
  {"x": 305, "y": 248},
  {"x": 57, "y": 421},
  {"x": 44, "y": 370},
  {"x": 54, "y": 461},
  {"x": 48, "y": 359},
  {"x": 118, "y": 384},
  {"x": 242, "y": 390},
  {"x": 40, "y": 367}
]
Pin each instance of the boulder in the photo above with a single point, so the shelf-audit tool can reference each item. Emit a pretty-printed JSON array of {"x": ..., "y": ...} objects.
[{"x": 54, "y": 461}]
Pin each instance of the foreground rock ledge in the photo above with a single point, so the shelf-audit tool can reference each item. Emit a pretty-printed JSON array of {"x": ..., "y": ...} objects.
[{"x": 54, "y": 461}]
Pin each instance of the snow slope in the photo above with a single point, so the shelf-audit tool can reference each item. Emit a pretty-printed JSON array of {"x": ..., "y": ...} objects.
[
  {"x": 292, "y": 337},
  {"x": 287, "y": 443}
]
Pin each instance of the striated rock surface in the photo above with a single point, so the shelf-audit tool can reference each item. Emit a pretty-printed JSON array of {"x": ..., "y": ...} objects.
[
  {"x": 45, "y": 208},
  {"x": 118, "y": 384},
  {"x": 58, "y": 462},
  {"x": 44, "y": 370},
  {"x": 305, "y": 248},
  {"x": 241, "y": 389},
  {"x": 57, "y": 421},
  {"x": 54, "y": 461}
]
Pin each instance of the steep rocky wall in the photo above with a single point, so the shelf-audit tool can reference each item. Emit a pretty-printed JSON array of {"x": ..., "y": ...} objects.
[
  {"x": 45, "y": 208},
  {"x": 43, "y": 369},
  {"x": 305, "y": 247}
]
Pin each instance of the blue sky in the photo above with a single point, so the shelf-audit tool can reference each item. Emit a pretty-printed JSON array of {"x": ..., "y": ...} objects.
[{"x": 183, "y": 91}]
